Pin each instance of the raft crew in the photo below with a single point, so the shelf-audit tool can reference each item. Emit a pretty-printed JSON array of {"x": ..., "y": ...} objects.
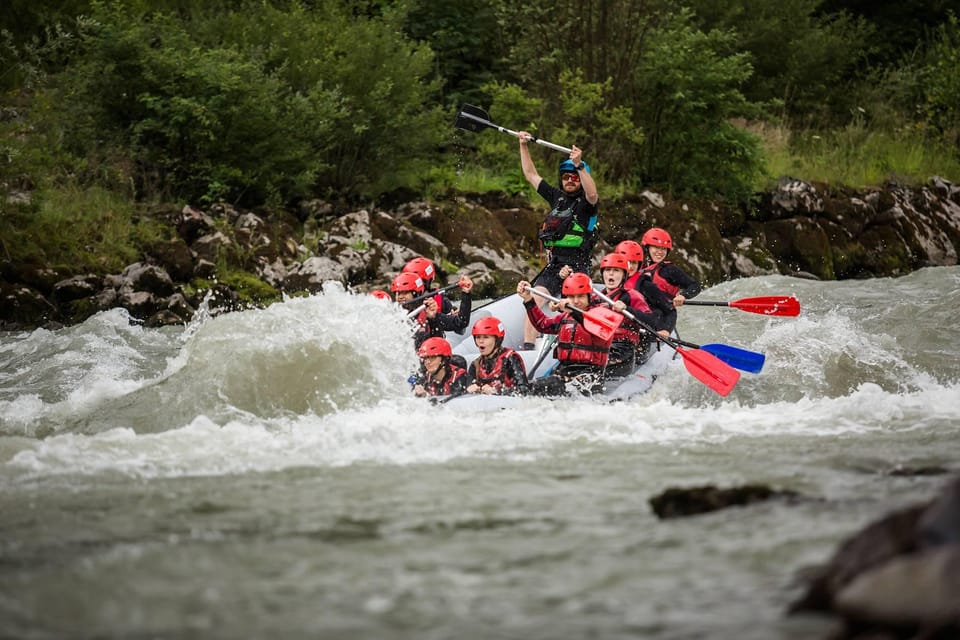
[
  {"x": 569, "y": 230},
  {"x": 658, "y": 301},
  {"x": 498, "y": 370},
  {"x": 669, "y": 278},
  {"x": 582, "y": 356},
  {"x": 630, "y": 341},
  {"x": 438, "y": 376},
  {"x": 429, "y": 320}
]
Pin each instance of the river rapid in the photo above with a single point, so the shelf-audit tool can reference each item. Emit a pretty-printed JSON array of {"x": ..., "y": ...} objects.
[{"x": 266, "y": 473}]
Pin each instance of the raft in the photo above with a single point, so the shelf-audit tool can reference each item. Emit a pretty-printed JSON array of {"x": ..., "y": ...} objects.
[{"x": 540, "y": 361}]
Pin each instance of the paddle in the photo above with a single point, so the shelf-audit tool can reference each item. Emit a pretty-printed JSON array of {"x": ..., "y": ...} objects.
[
  {"x": 702, "y": 365},
  {"x": 544, "y": 350},
  {"x": 599, "y": 321},
  {"x": 765, "y": 305},
  {"x": 430, "y": 294},
  {"x": 749, "y": 361},
  {"x": 475, "y": 119},
  {"x": 416, "y": 311}
]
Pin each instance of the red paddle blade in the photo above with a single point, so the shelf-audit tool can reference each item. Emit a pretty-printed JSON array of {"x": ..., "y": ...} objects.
[
  {"x": 602, "y": 322},
  {"x": 769, "y": 305},
  {"x": 710, "y": 370}
]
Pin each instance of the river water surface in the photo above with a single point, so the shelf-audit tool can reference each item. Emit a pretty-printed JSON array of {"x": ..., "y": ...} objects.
[{"x": 266, "y": 474}]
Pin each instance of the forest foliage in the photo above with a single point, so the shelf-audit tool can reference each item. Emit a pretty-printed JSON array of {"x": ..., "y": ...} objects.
[{"x": 272, "y": 102}]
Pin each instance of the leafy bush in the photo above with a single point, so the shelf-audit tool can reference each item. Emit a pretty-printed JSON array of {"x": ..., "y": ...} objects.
[{"x": 259, "y": 104}]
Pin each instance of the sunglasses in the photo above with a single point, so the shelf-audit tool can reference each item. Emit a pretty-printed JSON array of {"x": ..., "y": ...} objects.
[{"x": 571, "y": 177}]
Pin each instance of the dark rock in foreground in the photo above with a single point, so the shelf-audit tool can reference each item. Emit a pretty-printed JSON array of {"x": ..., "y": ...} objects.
[{"x": 897, "y": 578}]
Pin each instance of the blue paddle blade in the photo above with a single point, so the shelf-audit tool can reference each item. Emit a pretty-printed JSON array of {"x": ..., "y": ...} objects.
[{"x": 749, "y": 361}]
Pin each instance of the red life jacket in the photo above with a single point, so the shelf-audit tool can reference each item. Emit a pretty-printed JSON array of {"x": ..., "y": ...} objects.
[
  {"x": 577, "y": 345},
  {"x": 493, "y": 375},
  {"x": 442, "y": 388},
  {"x": 654, "y": 270},
  {"x": 628, "y": 330}
]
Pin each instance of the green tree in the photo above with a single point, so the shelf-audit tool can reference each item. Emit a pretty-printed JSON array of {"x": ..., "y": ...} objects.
[
  {"x": 257, "y": 103},
  {"x": 688, "y": 93},
  {"x": 641, "y": 84},
  {"x": 465, "y": 39},
  {"x": 802, "y": 57}
]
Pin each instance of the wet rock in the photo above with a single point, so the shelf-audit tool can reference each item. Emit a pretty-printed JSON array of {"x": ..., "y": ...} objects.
[
  {"x": 76, "y": 288},
  {"x": 310, "y": 274},
  {"x": 164, "y": 318},
  {"x": 22, "y": 307},
  {"x": 140, "y": 304},
  {"x": 899, "y": 577},
  {"x": 193, "y": 223},
  {"x": 877, "y": 597},
  {"x": 148, "y": 277},
  {"x": 679, "y": 502},
  {"x": 175, "y": 257}
]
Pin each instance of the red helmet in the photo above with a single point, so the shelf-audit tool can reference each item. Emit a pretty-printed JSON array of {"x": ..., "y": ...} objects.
[
  {"x": 380, "y": 293},
  {"x": 614, "y": 261},
  {"x": 657, "y": 237},
  {"x": 577, "y": 283},
  {"x": 435, "y": 347},
  {"x": 422, "y": 267},
  {"x": 407, "y": 282},
  {"x": 631, "y": 249},
  {"x": 488, "y": 327}
]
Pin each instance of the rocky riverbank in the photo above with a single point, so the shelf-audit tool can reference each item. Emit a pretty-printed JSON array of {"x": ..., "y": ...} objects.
[{"x": 799, "y": 228}]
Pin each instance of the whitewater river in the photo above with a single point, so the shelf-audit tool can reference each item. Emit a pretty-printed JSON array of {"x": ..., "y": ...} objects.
[{"x": 266, "y": 474}]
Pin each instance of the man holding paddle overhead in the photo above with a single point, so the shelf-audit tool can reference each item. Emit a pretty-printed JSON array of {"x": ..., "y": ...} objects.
[
  {"x": 584, "y": 334},
  {"x": 569, "y": 230}
]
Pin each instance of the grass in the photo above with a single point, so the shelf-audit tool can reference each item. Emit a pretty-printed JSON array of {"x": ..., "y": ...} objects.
[
  {"x": 80, "y": 229},
  {"x": 855, "y": 156}
]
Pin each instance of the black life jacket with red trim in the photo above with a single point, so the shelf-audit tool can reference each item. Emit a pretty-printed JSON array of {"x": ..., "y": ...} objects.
[
  {"x": 444, "y": 387},
  {"x": 654, "y": 270},
  {"x": 577, "y": 345},
  {"x": 491, "y": 371}
]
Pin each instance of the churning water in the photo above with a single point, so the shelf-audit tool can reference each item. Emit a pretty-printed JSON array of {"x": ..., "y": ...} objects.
[{"x": 266, "y": 473}]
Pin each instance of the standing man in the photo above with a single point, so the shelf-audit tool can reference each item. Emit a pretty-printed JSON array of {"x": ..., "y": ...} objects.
[{"x": 568, "y": 232}]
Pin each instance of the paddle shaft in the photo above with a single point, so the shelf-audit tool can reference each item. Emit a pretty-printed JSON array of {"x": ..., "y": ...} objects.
[
  {"x": 430, "y": 294},
  {"x": 543, "y": 356},
  {"x": 598, "y": 321},
  {"x": 640, "y": 322},
  {"x": 416, "y": 311},
  {"x": 515, "y": 134},
  {"x": 704, "y": 366}
]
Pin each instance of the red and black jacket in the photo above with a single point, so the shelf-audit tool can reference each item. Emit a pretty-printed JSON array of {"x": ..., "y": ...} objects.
[
  {"x": 575, "y": 345},
  {"x": 505, "y": 372}
]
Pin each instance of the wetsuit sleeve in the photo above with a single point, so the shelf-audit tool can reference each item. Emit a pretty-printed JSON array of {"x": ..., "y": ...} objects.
[
  {"x": 678, "y": 277},
  {"x": 453, "y": 321},
  {"x": 659, "y": 304},
  {"x": 515, "y": 370}
]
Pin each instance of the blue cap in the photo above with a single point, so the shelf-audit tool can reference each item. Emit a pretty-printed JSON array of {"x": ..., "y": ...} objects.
[{"x": 567, "y": 166}]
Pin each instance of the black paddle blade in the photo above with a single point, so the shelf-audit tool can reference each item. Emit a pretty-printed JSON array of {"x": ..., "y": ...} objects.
[{"x": 471, "y": 118}]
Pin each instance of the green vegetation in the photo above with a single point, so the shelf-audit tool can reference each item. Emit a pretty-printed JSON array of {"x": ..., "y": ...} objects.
[{"x": 111, "y": 105}]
